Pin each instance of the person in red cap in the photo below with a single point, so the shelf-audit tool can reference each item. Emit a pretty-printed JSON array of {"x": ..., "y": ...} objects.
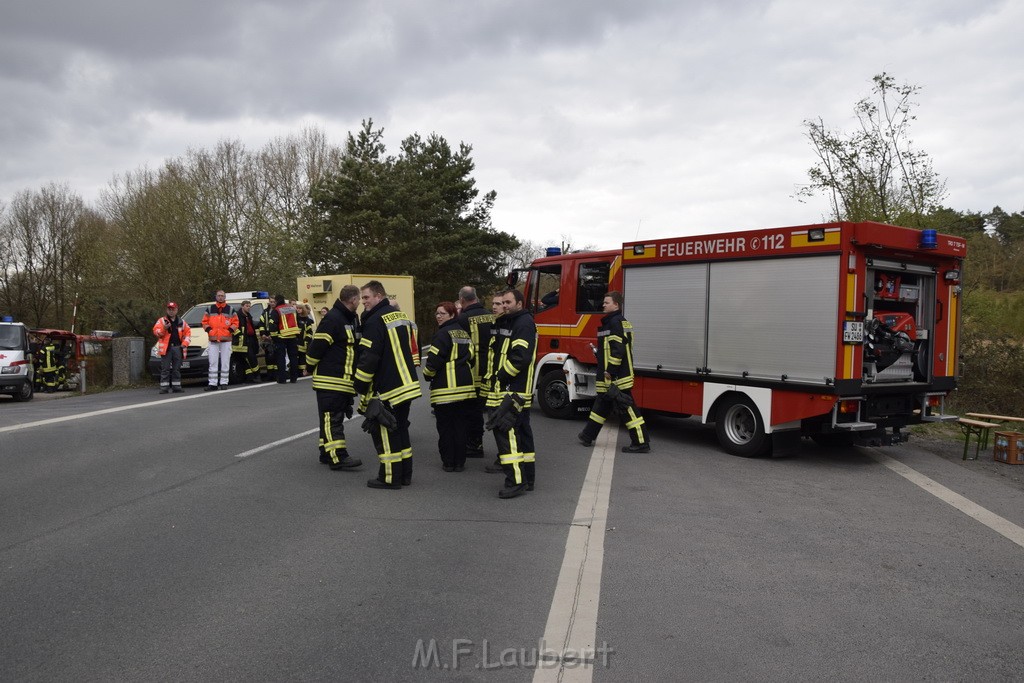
[{"x": 173, "y": 336}]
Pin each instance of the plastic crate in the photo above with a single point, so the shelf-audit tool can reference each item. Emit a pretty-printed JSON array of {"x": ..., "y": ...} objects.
[{"x": 1009, "y": 448}]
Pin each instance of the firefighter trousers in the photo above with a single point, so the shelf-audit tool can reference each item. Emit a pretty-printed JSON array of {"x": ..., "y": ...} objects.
[
  {"x": 331, "y": 407},
  {"x": 452, "y": 429},
  {"x": 602, "y": 410},
  {"x": 287, "y": 347},
  {"x": 475, "y": 424},
  {"x": 245, "y": 361},
  {"x": 516, "y": 451},
  {"x": 394, "y": 449}
]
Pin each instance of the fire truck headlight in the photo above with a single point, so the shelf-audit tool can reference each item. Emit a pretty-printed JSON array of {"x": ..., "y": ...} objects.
[
  {"x": 816, "y": 235},
  {"x": 952, "y": 276}
]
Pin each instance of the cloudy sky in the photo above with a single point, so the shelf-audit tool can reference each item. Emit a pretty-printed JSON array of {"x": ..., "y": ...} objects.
[{"x": 599, "y": 120}]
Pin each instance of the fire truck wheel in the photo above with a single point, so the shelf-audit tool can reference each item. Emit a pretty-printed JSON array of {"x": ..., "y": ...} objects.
[
  {"x": 553, "y": 394},
  {"x": 740, "y": 429}
]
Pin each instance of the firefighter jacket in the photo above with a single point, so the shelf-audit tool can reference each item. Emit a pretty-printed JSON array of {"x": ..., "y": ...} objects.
[
  {"x": 478, "y": 321},
  {"x": 162, "y": 330},
  {"x": 449, "y": 364},
  {"x": 614, "y": 352},
  {"x": 220, "y": 321},
  {"x": 49, "y": 358},
  {"x": 306, "y": 328},
  {"x": 284, "y": 322},
  {"x": 332, "y": 352},
  {"x": 243, "y": 337},
  {"x": 385, "y": 361},
  {"x": 513, "y": 352}
]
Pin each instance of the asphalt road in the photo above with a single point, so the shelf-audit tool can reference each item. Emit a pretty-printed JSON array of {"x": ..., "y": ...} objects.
[{"x": 135, "y": 544}]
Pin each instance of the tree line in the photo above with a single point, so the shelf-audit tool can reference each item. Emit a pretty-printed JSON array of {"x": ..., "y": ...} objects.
[{"x": 237, "y": 218}]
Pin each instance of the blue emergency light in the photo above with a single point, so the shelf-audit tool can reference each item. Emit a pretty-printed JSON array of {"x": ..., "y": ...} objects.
[
  {"x": 929, "y": 239},
  {"x": 7, "y": 319},
  {"x": 553, "y": 251}
]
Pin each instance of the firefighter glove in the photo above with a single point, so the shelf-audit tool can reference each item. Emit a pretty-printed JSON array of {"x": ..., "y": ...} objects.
[
  {"x": 378, "y": 414},
  {"x": 504, "y": 417},
  {"x": 622, "y": 400}
]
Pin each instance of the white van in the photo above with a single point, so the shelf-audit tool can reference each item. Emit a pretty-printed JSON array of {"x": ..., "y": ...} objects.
[{"x": 17, "y": 372}]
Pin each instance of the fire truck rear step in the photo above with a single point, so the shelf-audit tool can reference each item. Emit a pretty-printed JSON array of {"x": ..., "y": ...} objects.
[{"x": 854, "y": 426}]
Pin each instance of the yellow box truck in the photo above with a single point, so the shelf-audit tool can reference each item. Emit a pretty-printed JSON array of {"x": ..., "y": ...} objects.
[{"x": 322, "y": 290}]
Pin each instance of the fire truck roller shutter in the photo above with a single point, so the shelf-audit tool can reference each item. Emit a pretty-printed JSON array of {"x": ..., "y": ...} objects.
[
  {"x": 667, "y": 306},
  {"x": 774, "y": 317}
]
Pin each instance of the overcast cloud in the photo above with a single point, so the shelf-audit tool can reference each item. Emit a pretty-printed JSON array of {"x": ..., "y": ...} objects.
[{"x": 593, "y": 119}]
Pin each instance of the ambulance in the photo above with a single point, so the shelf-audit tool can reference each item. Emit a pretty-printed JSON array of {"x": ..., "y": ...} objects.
[{"x": 17, "y": 373}]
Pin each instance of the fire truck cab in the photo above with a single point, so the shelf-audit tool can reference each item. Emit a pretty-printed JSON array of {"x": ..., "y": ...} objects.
[{"x": 844, "y": 332}]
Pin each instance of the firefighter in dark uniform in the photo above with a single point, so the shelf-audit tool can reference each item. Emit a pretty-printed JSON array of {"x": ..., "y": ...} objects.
[
  {"x": 269, "y": 352},
  {"x": 245, "y": 345},
  {"x": 449, "y": 367},
  {"x": 615, "y": 367},
  {"x": 331, "y": 355},
  {"x": 49, "y": 362},
  {"x": 513, "y": 351},
  {"x": 475, "y": 320},
  {"x": 284, "y": 330},
  {"x": 306, "y": 327},
  {"x": 385, "y": 370}
]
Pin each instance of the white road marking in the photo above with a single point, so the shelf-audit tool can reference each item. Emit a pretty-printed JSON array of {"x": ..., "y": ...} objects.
[
  {"x": 275, "y": 444},
  {"x": 148, "y": 404},
  {"x": 572, "y": 621},
  {"x": 1000, "y": 525}
]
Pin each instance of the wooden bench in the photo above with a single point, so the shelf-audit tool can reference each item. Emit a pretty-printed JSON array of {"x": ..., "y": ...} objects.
[
  {"x": 994, "y": 418},
  {"x": 979, "y": 429}
]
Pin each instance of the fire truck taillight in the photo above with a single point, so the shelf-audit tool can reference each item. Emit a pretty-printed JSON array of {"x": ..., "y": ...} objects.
[
  {"x": 848, "y": 406},
  {"x": 934, "y": 401}
]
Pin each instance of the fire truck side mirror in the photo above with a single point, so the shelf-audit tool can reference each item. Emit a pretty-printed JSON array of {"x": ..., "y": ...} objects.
[{"x": 513, "y": 279}]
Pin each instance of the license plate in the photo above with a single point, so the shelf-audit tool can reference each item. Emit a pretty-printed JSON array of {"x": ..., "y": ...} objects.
[
  {"x": 853, "y": 332},
  {"x": 186, "y": 364}
]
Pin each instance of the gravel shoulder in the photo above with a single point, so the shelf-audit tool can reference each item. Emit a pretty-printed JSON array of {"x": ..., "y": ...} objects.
[{"x": 947, "y": 442}]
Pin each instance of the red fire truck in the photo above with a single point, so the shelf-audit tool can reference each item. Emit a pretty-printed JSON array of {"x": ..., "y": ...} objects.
[{"x": 844, "y": 332}]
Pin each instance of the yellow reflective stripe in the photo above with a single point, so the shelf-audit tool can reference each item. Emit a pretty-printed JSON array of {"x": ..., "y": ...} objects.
[
  {"x": 363, "y": 376},
  {"x": 396, "y": 347},
  {"x": 366, "y": 342},
  {"x": 597, "y": 418}
]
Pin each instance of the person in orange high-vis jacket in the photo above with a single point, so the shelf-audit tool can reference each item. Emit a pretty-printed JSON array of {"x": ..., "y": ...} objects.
[
  {"x": 173, "y": 336},
  {"x": 220, "y": 322}
]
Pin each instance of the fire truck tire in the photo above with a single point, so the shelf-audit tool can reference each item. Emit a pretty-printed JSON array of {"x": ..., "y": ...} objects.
[
  {"x": 740, "y": 429},
  {"x": 553, "y": 395},
  {"x": 26, "y": 393}
]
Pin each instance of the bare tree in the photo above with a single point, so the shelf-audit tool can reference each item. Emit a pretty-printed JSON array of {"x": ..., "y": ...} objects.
[
  {"x": 38, "y": 266},
  {"x": 875, "y": 172}
]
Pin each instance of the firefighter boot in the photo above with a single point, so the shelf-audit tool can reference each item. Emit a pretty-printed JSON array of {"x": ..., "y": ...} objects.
[
  {"x": 379, "y": 483},
  {"x": 406, "y": 476}
]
